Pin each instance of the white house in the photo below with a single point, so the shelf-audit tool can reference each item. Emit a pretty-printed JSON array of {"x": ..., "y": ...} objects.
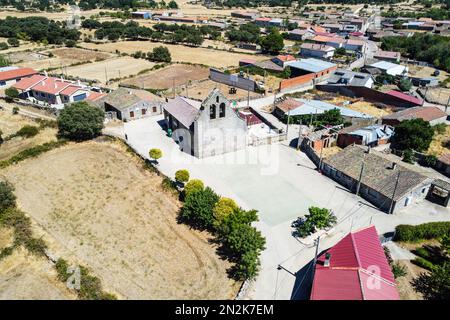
[{"x": 390, "y": 68}]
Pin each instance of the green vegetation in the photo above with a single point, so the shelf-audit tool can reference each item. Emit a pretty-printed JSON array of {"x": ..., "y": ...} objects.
[
  {"x": 90, "y": 286},
  {"x": 254, "y": 70},
  {"x": 193, "y": 185},
  {"x": 32, "y": 152},
  {"x": 182, "y": 176},
  {"x": 436, "y": 13},
  {"x": 7, "y": 197},
  {"x": 160, "y": 54},
  {"x": 12, "y": 93},
  {"x": 317, "y": 219},
  {"x": 425, "y": 231},
  {"x": 415, "y": 134},
  {"x": 38, "y": 29},
  {"x": 404, "y": 84},
  {"x": 422, "y": 46},
  {"x": 80, "y": 121},
  {"x": 249, "y": 33},
  {"x": 198, "y": 208},
  {"x": 155, "y": 154},
  {"x": 331, "y": 117},
  {"x": 398, "y": 270},
  {"x": 273, "y": 43}
]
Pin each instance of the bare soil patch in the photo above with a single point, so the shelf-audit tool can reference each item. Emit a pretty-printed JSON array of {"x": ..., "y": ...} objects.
[
  {"x": 95, "y": 204},
  {"x": 24, "y": 276},
  {"x": 176, "y": 74}
]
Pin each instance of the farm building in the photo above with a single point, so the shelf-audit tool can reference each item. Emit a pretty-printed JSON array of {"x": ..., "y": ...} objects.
[
  {"x": 391, "y": 56},
  {"x": 11, "y": 75},
  {"x": 141, "y": 15},
  {"x": 351, "y": 78},
  {"x": 313, "y": 50},
  {"x": 300, "y": 34},
  {"x": 406, "y": 98},
  {"x": 247, "y": 15},
  {"x": 205, "y": 128},
  {"x": 433, "y": 115},
  {"x": 130, "y": 104},
  {"x": 390, "y": 186},
  {"x": 390, "y": 68},
  {"x": 321, "y": 69},
  {"x": 347, "y": 270},
  {"x": 283, "y": 59}
]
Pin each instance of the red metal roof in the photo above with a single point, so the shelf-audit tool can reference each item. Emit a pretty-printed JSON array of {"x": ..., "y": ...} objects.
[
  {"x": 17, "y": 73},
  {"x": 358, "y": 270},
  {"x": 405, "y": 97}
]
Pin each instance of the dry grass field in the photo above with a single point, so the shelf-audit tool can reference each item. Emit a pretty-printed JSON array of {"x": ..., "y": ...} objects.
[
  {"x": 440, "y": 144},
  {"x": 96, "y": 205},
  {"x": 176, "y": 74},
  {"x": 180, "y": 53},
  {"x": 26, "y": 277},
  {"x": 114, "y": 68}
]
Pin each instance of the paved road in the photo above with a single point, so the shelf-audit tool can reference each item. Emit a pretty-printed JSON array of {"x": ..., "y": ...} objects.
[{"x": 281, "y": 184}]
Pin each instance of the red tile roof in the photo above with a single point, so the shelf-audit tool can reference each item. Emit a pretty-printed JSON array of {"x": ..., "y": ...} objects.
[
  {"x": 425, "y": 113},
  {"x": 328, "y": 39},
  {"x": 52, "y": 85},
  {"x": 405, "y": 97},
  {"x": 286, "y": 57},
  {"x": 358, "y": 270},
  {"x": 27, "y": 83},
  {"x": 17, "y": 73},
  {"x": 93, "y": 96},
  {"x": 70, "y": 90}
]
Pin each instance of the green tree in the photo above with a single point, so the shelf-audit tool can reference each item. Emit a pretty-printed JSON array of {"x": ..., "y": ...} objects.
[
  {"x": 155, "y": 154},
  {"x": 7, "y": 197},
  {"x": 80, "y": 121},
  {"x": 193, "y": 185},
  {"x": 436, "y": 284},
  {"x": 4, "y": 62},
  {"x": 182, "y": 176},
  {"x": 273, "y": 43},
  {"x": 404, "y": 84},
  {"x": 3, "y": 46},
  {"x": 160, "y": 54},
  {"x": 172, "y": 5},
  {"x": 415, "y": 134},
  {"x": 12, "y": 93},
  {"x": 13, "y": 42},
  {"x": 199, "y": 208},
  {"x": 332, "y": 117},
  {"x": 233, "y": 220},
  {"x": 408, "y": 156},
  {"x": 224, "y": 207},
  {"x": 318, "y": 218}
]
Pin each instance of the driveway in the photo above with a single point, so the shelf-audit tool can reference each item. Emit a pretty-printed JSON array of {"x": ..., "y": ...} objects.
[{"x": 281, "y": 184}]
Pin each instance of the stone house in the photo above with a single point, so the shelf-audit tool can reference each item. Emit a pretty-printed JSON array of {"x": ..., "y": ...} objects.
[
  {"x": 205, "y": 128},
  {"x": 390, "y": 186}
]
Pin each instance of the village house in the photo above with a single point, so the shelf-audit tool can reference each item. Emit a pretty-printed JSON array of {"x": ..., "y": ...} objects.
[
  {"x": 283, "y": 59},
  {"x": 355, "y": 45},
  {"x": 205, "y": 128},
  {"x": 346, "y": 270},
  {"x": 393, "y": 69},
  {"x": 372, "y": 135},
  {"x": 54, "y": 91},
  {"x": 247, "y": 15},
  {"x": 312, "y": 50},
  {"x": 11, "y": 75},
  {"x": 320, "y": 69},
  {"x": 335, "y": 42},
  {"x": 350, "y": 78},
  {"x": 388, "y": 185},
  {"x": 433, "y": 115},
  {"x": 300, "y": 34},
  {"x": 390, "y": 56},
  {"x": 130, "y": 104}
]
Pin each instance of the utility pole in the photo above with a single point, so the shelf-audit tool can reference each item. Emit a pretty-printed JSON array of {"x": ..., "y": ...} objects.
[
  {"x": 287, "y": 127},
  {"x": 173, "y": 86},
  {"x": 317, "y": 241},
  {"x": 248, "y": 96},
  {"x": 360, "y": 175},
  {"x": 299, "y": 134},
  {"x": 106, "y": 76},
  {"x": 391, "y": 207},
  {"x": 321, "y": 151}
]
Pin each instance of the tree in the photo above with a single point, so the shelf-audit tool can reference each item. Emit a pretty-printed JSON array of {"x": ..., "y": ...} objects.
[
  {"x": 332, "y": 117},
  {"x": 7, "y": 197},
  {"x": 198, "y": 207},
  {"x": 4, "y": 62},
  {"x": 182, "y": 176},
  {"x": 340, "y": 51},
  {"x": 193, "y": 185},
  {"x": 13, "y": 42},
  {"x": 160, "y": 54},
  {"x": 404, "y": 84},
  {"x": 12, "y": 93},
  {"x": 155, "y": 154},
  {"x": 3, "y": 46},
  {"x": 408, "y": 156},
  {"x": 223, "y": 208},
  {"x": 80, "y": 121},
  {"x": 172, "y": 5},
  {"x": 272, "y": 43},
  {"x": 436, "y": 284},
  {"x": 233, "y": 220},
  {"x": 318, "y": 218},
  {"x": 415, "y": 134}
]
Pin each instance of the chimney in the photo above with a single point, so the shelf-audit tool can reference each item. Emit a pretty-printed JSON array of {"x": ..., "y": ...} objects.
[{"x": 327, "y": 259}]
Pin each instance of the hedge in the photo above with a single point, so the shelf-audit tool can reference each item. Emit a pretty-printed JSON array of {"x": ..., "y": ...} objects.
[
  {"x": 425, "y": 231},
  {"x": 423, "y": 263}
]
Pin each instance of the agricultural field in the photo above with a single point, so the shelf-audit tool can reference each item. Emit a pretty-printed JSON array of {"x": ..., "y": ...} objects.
[
  {"x": 175, "y": 74},
  {"x": 61, "y": 57},
  {"x": 180, "y": 53},
  {"x": 119, "y": 223},
  {"x": 106, "y": 70}
]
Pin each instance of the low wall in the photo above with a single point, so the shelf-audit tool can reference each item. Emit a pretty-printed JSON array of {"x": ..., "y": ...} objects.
[
  {"x": 232, "y": 80},
  {"x": 306, "y": 80}
]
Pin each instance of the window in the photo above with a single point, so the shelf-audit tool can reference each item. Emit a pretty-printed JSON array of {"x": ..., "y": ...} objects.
[
  {"x": 222, "y": 110},
  {"x": 212, "y": 111},
  {"x": 217, "y": 99},
  {"x": 2, "y": 83},
  {"x": 154, "y": 109},
  {"x": 131, "y": 114},
  {"x": 144, "y": 111},
  {"x": 424, "y": 189}
]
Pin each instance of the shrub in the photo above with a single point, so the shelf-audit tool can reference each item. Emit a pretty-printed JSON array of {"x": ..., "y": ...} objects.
[
  {"x": 13, "y": 42},
  {"x": 415, "y": 134},
  {"x": 12, "y": 93},
  {"x": 155, "y": 154},
  {"x": 425, "y": 231},
  {"x": 423, "y": 263},
  {"x": 436, "y": 284},
  {"x": 15, "y": 110},
  {"x": 182, "y": 176},
  {"x": 404, "y": 85},
  {"x": 429, "y": 161},
  {"x": 80, "y": 121},
  {"x": 27, "y": 131},
  {"x": 440, "y": 128},
  {"x": 398, "y": 270},
  {"x": 223, "y": 208},
  {"x": 198, "y": 208},
  {"x": 193, "y": 185},
  {"x": 408, "y": 156},
  {"x": 160, "y": 54},
  {"x": 7, "y": 197}
]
